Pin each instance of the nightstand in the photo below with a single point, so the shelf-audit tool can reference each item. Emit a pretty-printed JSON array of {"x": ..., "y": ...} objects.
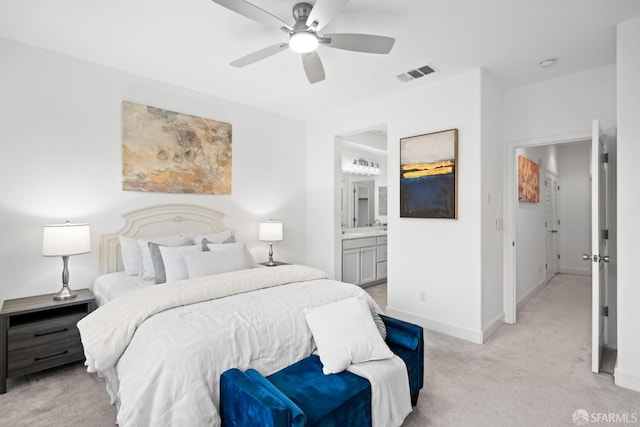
[
  {"x": 39, "y": 333},
  {"x": 276, "y": 262}
]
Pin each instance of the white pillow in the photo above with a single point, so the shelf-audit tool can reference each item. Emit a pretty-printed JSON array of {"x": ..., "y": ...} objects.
[
  {"x": 221, "y": 237},
  {"x": 147, "y": 269},
  {"x": 174, "y": 265},
  {"x": 130, "y": 254},
  {"x": 345, "y": 333},
  {"x": 221, "y": 258},
  {"x": 229, "y": 247}
]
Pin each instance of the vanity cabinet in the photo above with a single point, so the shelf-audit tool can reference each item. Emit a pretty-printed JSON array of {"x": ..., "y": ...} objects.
[
  {"x": 381, "y": 258},
  {"x": 364, "y": 260}
]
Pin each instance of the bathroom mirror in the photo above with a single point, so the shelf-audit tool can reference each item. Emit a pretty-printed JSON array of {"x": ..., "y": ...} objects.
[{"x": 361, "y": 203}]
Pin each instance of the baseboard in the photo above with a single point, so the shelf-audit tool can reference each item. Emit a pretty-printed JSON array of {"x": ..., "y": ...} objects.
[
  {"x": 573, "y": 270},
  {"x": 494, "y": 325},
  {"x": 626, "y": 379},
  {"x": 475, "y": 336},
  {"x": 525, "y": 299}
]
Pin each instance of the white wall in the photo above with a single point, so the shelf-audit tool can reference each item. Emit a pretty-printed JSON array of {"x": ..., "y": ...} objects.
[
  {"x": 424, "y": 254},
  {"x": 561, "y": 107},
  {"x": 492, "y": 207},
  {"x": 574, "y": 207},
  {"x": 530, "y": 235},
  {"x": 61, "y": 159},
  {"x": 627, "y": 373}
]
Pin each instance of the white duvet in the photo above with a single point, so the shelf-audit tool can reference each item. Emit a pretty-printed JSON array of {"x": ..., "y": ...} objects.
[{"x": 162, "y": 364}]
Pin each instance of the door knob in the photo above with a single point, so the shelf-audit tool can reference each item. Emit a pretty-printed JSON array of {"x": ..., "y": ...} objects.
[
  {"x": 586, "y": 257},
  {"x": 604, "y": 258}
]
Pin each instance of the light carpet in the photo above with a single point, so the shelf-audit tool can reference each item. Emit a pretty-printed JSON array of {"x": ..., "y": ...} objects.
[{"x": 535, "y": 373}]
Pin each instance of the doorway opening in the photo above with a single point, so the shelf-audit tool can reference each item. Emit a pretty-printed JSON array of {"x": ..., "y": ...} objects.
[
  {"x": 362, "y": 186},
  {"x": 551, "y": 236}
]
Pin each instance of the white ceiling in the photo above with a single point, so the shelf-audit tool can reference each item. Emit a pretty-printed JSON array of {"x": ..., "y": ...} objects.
[{"x": 190, "y": 43}]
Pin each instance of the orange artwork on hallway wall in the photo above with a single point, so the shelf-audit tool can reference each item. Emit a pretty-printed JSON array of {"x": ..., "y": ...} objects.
[{"x": 528, "y": 180}]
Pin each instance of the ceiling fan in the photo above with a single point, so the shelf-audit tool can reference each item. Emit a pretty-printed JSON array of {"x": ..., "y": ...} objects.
[{"x": 303, "y": 35}]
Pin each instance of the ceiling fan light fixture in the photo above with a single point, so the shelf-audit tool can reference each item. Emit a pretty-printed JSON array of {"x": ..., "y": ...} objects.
[{"x": 303, "y": 42}]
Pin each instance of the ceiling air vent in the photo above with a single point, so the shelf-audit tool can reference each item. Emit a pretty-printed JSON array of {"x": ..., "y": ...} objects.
[{"x": 415, "y": 74}]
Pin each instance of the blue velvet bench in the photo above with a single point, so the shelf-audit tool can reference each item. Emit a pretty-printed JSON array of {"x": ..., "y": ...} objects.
[{"x": 301, "y": 395}]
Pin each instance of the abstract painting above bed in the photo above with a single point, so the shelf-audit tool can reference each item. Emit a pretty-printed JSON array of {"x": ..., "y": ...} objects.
[{"x": 169, "y": 152}]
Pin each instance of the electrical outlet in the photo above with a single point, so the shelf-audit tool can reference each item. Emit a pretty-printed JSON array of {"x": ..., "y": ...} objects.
[{"x": 423, "y": 297}]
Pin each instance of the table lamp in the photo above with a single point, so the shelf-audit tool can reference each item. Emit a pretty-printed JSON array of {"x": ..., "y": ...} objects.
[
  {"x": 65, "y": 240},
  {"x": 270, "y": 231}
]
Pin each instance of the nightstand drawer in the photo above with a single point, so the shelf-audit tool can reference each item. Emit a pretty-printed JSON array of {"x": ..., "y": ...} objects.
[
  {"x": 37, "y": 358},
  {"x": 37, "y": 333}
]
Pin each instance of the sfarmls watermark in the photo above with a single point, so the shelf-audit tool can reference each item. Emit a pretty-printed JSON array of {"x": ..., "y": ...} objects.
[{"x": 582, "y": 417}]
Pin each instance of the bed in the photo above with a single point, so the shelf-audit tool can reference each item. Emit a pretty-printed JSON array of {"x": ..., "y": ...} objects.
[{"x": 161, "y": 347}]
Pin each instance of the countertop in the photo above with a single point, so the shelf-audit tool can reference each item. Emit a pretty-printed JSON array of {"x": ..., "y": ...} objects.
[{"x": 347, "y": 235}]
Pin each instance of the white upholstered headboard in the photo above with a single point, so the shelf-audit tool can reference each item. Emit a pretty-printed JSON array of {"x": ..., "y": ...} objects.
[{"x": 158, "y": 221}]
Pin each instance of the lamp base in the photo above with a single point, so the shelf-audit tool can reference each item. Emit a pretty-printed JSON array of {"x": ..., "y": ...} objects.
[
  {"x": 271, "y": 263},
  {"x": 65, "y": 293}
]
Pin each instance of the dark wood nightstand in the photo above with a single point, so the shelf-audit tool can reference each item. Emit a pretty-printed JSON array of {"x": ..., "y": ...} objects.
[
  {"x": 276, "y": 262},
  {"x": 39, "y": 333}
]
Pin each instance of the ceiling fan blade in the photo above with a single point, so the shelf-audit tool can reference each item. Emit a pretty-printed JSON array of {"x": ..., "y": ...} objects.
[
  {"x": 324, "y": 11},
  {"x": 313, "y": 67},
  {"x": 360, "y": 42},
  {"x": 259, "y": 54},
  {"x": 252, "y": 11}
]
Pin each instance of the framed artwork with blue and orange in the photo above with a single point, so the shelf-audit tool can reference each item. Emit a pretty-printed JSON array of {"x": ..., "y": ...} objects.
[{"x": 429, "y": 175}]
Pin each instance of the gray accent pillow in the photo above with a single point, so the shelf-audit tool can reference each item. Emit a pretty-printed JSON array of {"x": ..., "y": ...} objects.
[
  {"x": 158, "y": 264},
  {"x": 205, "y": 242},
  {"x": 382, "y": 328}
]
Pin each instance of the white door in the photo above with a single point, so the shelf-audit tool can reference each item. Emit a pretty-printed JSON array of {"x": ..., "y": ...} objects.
[
  {"x": 599, "y": 254},
  {"x": 552, "y": 261}
]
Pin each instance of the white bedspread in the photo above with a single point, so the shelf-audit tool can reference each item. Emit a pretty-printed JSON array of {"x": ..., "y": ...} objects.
[
  {"x": 164, "y": 371},
  {"x": 111, "y": 285}
]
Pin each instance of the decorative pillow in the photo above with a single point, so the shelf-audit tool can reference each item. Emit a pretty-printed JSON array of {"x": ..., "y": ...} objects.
[
  {"x": 345, "y": 333},
  {"x": 221, "y": 237},
  {"x": 224, "y": 257},
  {"x": 206, "y": 241},
  {"x": 147, "y": 268},
  {"x": 382, "y": 328},
  {"x": 158, "y": 263},
  {"x": 227, "y": 246},
  {"x": 174, "y": 265},
  {"x": 131, "y": 255}
]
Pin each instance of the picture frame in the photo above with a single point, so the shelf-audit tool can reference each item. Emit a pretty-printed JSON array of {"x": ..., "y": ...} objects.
[
  {"x": 528, "y": 180},
  {"x": 170, "y": 152},
  {"x": 429, "y": 175}
]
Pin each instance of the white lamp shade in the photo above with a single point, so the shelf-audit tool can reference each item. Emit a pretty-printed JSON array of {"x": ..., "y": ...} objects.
[
  {"x": 66, "y": 239},
  {"x": 270, "y": 231}
]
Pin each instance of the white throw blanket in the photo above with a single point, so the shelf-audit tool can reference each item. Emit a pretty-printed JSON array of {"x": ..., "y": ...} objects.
[
  {"x": 390, "y": 395},
  {"x": 165, "y": 371}
]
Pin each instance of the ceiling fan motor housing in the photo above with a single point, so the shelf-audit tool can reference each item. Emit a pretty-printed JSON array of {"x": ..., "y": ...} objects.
[{"x": 301, "y": 13}]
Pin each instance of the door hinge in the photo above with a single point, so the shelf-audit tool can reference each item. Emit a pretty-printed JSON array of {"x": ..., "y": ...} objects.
[
  {"x": 605, "y": 311},
  {"x": 558, "y": 188},
  {"x": 558, "y": 222},
  {"x": 605, "y": 158},
  {"x": 546, "y": 267},
  {"x": 605, "y": 234},
  {"x": 558, "y": 256}
]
